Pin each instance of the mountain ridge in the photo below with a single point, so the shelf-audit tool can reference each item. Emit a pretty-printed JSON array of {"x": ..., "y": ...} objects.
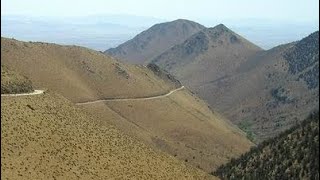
[
  {"x": 154, "y": 40},
  {"x": 212, "y": 63},
  {"x": 207, "y": 49}
]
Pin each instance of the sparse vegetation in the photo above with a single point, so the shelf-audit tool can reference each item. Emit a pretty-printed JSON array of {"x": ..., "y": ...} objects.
[
  {"x": 196, "y": 45},
  {"x": 281, "y": 95},
  {"x": 303, "y": 55},
  {"x": 246, "y": 127},
  {"x": 119, "y": 70},
  {"x": 155, "y": 40},
  {"x": 67, "y": 70},
  {"x": 294, "y": 154},
  {"x": 47, "y": 137},
  {"x": 13, "y": 83},
  {"x": 163, "y": 74},
  {"x": 311, "y": 77}
]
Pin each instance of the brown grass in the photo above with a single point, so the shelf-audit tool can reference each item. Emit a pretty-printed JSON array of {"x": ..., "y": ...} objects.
[
  {"x": 78, "y": 73},
  {"x": 181, "y": 125},
  {"x": 55, "y": 140},
  {"x": 13, "y": 83},
  {"x": 177, "y": 124}
]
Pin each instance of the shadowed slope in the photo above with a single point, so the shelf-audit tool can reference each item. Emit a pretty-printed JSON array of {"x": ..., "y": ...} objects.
[
  {"x": 208, "y": 55},
  {"x": 264, "y": 94}
]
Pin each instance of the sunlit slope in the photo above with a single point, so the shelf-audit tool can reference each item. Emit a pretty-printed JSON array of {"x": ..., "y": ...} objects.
[
  {"x": 11, "y": 82},
  {"x": 78, "y": 73},
  {"x": 179, "y": 124},
  {"x": 180, "y": 120},
  {"x": 47, "y": 137}
]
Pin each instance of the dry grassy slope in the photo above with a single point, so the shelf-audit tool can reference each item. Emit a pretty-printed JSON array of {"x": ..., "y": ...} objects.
[
  {"x": 60, "y": 68},
  {"x": 208, "y": 55},
  {"x": 248, "y": 95},
  {"x": 155, "y": 40},
  {"x": 47, "y": 137},
  {"x": 11, "y": 82},
  {"x": 78, "y": 73},
  {"x": 180, "y": 124}
]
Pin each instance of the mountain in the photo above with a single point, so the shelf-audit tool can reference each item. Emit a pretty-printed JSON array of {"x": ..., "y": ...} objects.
[
  {"x": 271, "y": 91},
  {"x": 155, "y": 40},
  {"x": 47, "y": 136},
  {"x": 80, "y": 74},
  {"x": 263, "y": 92},
  {"x": 208, "y": 55},
  {"x": 143, "y": 102},
  {"x": 294, "y": 154}
]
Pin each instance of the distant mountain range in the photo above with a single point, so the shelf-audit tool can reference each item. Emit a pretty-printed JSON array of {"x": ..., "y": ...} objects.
[
  {"x": 255, "y": 88},
  {"x": 101, "y": 32},
  {"x": 97, "y": 32}
]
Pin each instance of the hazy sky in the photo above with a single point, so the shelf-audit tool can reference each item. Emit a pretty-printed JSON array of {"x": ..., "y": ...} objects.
[{"x": 288, "y": 10}]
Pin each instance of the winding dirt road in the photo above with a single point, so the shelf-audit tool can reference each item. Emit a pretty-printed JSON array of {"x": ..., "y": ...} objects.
[
  {"x": 35, "y": 92},
  {"x": 132, "y": 99}
]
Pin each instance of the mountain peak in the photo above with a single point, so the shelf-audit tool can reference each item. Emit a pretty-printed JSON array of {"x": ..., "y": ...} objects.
[
  {"x": 155, "y": 40},
  {"x": 218, "y": 31},
  {"x": 221, "y": 28},
  {"x": 183, "y": 21}
]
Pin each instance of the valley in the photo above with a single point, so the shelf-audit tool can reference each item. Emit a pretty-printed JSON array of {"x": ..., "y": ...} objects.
[
  {"x": 173, "y": 120},
  {"x": 254, "y": 88},
  {"x": 177, "y": 101}
]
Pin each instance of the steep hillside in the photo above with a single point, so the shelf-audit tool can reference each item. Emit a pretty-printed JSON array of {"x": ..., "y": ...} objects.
[
  {"x": 255, "y": 89},
  {"x": 180, "y": 123},
  {"x": 303, "y": 60},
  {"x": 269, "y": 92},
  {"x": 13, "y": 83},
  {"x": 47, "y": 137},
  {"x": 294, "y": 154},
  {"x": 163, "y": 74},
  {"x": 79, "y": 73},
  {"x": 155, "y": 40},
  {"x": 209, "y": 55}
]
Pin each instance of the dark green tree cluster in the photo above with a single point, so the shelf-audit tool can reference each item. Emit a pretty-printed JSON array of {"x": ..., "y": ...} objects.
[{"x": 294, "y": 154}]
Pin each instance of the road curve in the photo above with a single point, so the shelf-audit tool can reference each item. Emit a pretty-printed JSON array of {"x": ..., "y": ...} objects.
[
  {"x": 132, "y": 99},
  {"x": 35, "y": 92}
]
